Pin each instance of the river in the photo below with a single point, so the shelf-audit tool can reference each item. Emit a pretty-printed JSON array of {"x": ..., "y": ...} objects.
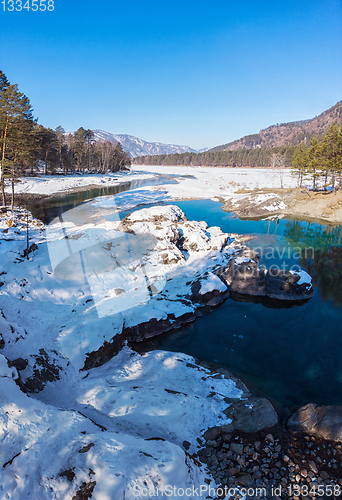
[{"x": 291, "y": 355}]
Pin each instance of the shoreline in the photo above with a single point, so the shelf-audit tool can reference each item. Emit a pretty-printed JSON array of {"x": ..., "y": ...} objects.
[
  {"x": 323, "y": 207},
  {"x": 243, "y": 474}
]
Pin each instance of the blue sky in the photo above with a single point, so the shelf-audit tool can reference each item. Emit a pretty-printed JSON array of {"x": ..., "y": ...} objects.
[{"x": 181, "y": 72}]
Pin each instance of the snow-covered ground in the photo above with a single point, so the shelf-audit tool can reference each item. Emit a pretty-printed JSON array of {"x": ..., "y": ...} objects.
[
  {"x": 192, "y": 182},
  {"x": 48, "y": 185},
  {"x": 119, "y": 429}
]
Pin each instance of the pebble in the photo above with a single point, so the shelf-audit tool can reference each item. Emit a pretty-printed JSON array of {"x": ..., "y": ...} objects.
[
  {"x": 313, "y": 467},
  {"x": 272, "y": 463},
  {"x": 269, "y": 438}
]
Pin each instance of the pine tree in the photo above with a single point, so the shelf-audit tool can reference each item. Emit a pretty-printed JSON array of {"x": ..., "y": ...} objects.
[{"x": 15, "y": 108}]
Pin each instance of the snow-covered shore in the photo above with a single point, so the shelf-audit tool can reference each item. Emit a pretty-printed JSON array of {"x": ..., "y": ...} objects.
[
  {"x": 131, "y": 425},
  {"x": 133, "y": 422}
]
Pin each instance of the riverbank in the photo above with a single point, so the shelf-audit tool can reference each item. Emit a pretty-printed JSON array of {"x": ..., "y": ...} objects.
[
  {"x": 249, "y": 193},
  {"x": 292, "y": 203}
]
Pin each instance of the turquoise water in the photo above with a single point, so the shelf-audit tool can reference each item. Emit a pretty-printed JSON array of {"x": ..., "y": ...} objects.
[{"x": 291, "y": 355}]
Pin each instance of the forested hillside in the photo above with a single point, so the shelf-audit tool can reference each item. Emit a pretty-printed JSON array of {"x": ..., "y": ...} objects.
[
  {"x": 288, "y": 134},
  {"x": 260, "y": 157}
]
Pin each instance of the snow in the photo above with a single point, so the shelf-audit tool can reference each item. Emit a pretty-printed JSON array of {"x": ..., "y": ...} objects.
[
  {"x": 101, "y": 424},
  {"x": 304, "y": 277},
  {"x": 242, "y": 260},
  {"x": 48, "y": 185},
  {"x": 276, "y": 206},
  {"x": 211, "y": 283},
  {"x": 192, "y": 182},
  {"x": 40, "y": 442},
  {"x": 52, "y": 308}
]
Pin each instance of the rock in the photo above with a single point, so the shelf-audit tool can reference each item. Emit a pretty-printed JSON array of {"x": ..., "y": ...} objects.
[
  {"x": 244, "y": 480},
  {"x": 269, "y": 438},
  {"x": 244, "y": 276},
  {"x": 45, "y": 370},
  {"x": 320, "y": 421},
  {"x": 233, "y": 470},
  {"x": 257, "y": 445},
  {"x": 186, "y": 445},
  {"x": 211, "y": 442},
  {"x": 215, "y": 432},
  {"x": 85, "y": 449},
  {"x": 19, "y": 363},
  {"x": 236, "y": 448},
  {"x": 283, "y": 285},
  {"x": 227, "y": 438},
  {"x": 252, "y": 415},
  {"x": 313, "y": 467}
]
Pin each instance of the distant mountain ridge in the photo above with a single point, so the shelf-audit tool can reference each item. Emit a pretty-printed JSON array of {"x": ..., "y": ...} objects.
[
  {"x": 138, "y": 147},
  {"x": 287, "y": 134}
]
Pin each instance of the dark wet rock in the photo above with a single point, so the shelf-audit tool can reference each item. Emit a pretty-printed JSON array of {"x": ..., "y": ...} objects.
[
  {"x": 215, "y": 432},
  {"x": 19, "y": 363},
  {"x": 69, "y": 474},
  {"x": 283, "y": 285},
  {"x": 85, "y": 491},
  {"x": 212, "y": 298},
  {"x": 320, "y": 421},
  {"x": 45, "y": 370},
  {"x": 244, "y": 480},
  {"x": 236, "y": 448},
  {"x": 186, "y": 445},
  {"x": 86, "y": 448},
  {"x": 137, "y": 334},
  {"x": 252, "y": 415}
]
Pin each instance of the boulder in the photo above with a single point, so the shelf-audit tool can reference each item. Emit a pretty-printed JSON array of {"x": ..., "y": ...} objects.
[
  {"x": 287, "y": 285},
  {"x": 320, "y": 421},
  {"x": 248, "y": 415},
  {"x": 245, "y": 277},
  {"x": 252, "y": 415}
]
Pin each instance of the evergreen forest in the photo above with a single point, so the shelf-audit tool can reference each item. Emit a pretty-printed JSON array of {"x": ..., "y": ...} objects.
[{"x": 28, "y": 148}]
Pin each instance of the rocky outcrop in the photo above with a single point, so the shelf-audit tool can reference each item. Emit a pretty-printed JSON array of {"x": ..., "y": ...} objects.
[
  {"x": 320, "y": 421},
  {"x": 243, "y": 275},
  {"x": 287, "y": 285},
  {"x": 136, "y": 333}
]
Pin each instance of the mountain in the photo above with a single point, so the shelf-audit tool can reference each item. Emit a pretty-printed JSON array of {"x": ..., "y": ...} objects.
[
  {"x": 138, "y": 147},
  {"x": 287, "y": 134}
]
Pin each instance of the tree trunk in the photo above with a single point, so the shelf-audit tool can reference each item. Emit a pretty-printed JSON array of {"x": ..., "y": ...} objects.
[
  {"x": 3, "y": 164},
  {"x": 12, "y": 200}
]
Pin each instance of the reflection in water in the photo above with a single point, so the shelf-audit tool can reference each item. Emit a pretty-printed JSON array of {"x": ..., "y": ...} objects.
[
  {"x": 321, "y": 255},
  {"x": 49, "y": 209}
]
